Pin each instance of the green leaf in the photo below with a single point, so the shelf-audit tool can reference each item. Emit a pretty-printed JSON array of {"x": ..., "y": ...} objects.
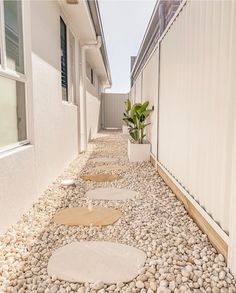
[
  {"x": 134, "y": 134},
  {"x": 127, "y": 106},
  {"x": 143, "y": 107},
  {"x": 139, "y": 114}
]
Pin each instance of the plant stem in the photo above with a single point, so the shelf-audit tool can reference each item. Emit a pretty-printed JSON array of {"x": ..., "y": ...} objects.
[{"x": 141, "y": 138}]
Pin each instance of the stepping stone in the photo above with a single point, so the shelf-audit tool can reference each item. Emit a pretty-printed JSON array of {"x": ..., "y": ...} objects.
[
  {"x": 104, "y": 160},
  {"x": 87, "y": 216},
  {"x": 100, "y": 177},
  {"x": 90, "y": 261},
  {"x": 109, "y": 167},
  {"x": 111, "y": 193},
  {"x": 68, "y": 182}
]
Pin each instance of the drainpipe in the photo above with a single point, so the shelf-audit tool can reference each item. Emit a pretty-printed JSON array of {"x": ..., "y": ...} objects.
[{"x": 83, "y": 110}]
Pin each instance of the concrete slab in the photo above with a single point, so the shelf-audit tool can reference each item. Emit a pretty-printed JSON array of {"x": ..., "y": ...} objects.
[
  {"x": 90, "y": 261},
  {"x": 111, "y": 193}
]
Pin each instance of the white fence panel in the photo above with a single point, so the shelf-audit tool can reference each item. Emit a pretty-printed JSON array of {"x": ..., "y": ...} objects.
[
  {"x": 150, "y": 93},
  {"x": 113, "y": 109},
  {"x": 138, "y": 89},
  {"x": 196, "y": 105}
]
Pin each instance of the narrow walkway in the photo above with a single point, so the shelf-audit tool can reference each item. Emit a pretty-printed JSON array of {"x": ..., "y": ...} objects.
[{"x": 179, "y": 256}]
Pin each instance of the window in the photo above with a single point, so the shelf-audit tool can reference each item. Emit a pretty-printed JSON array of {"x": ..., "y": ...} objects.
[
  {"x": 13, "y": 122},
  {"x": 14, "y": 35},
  {"x": 64, "y": 77},
  {"x": 92, "y": 77},
  {"x": 90, "y": 74},
  {"x": 68, "y": 75},
  {"x": 13, "y": 114}
]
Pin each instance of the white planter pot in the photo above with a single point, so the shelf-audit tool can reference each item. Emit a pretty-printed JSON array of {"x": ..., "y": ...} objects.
[
  {"x": 138, "y": 152},
  {"x": 125, "y": 129}
]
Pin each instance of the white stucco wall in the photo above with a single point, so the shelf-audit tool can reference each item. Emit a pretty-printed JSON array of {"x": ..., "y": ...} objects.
[
  {"x": 55, "y": 123},
  {"x": 27, "y": 171},
  {"x": 93, "y": 104},
  {"x": 17, "y": 184}
]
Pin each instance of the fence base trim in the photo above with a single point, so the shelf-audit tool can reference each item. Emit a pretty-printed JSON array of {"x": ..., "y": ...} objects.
[{"x": 220, "y": 243}]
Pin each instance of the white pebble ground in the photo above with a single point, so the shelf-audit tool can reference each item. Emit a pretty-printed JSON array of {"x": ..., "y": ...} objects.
[
  {"x": 103, "y": 160},
  {"x": 180, "y": 258}
]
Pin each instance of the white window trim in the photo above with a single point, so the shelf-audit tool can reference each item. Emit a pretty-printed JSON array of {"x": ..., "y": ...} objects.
[
  {"x": 11, "y": 74},
  {"x": 71, "y": 99},
  {"x": 95, "y": 77},
  {"x": 2, "y": 36}
]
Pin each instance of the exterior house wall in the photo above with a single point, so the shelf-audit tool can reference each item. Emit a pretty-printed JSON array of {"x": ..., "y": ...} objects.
[
  {"x": 18, "y": 184},
  {"x": 55, "y": 125},
  {"x": 93, "y": 105},
  {"x": 26, "y": 171}
]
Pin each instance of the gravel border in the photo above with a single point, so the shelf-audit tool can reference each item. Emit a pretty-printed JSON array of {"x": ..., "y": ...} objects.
[{"x": 179, "y": 256}]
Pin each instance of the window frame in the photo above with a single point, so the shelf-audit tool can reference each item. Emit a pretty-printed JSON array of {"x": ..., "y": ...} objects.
[
  {"x": 71, "y": 70},
  {"x": 66, "y": 59},
  {"x": 8, "y": 73},
  {"x": 71, "y": 98}
]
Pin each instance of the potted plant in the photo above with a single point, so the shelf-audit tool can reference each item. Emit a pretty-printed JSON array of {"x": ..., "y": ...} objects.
[
  {"x": 125, "y": 128},
  {"x": 138, "y": 147}
]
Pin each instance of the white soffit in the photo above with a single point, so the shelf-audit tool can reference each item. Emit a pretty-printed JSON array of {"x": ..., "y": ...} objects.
[{"x": 79, "y": 18}]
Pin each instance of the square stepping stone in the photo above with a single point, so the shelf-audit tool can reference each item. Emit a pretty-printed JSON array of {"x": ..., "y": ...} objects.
[
  {"x": 90, "y": 261},
  {"x": 87, "y": 216},
  {"x": 111, "y": 193}
]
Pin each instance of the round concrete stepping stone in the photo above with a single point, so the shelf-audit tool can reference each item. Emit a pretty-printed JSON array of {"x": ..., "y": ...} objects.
[
  {"x": 111, "y": 193},
  {"x": 68, "y": 182},
  {"x": 104, "y": 160},
  {"x": 87, "y": 216},
  {"x": 90, "y": 261},
  {"x": 100, "y": 177}
]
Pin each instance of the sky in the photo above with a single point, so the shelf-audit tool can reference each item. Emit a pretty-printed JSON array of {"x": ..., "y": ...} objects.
[{"x": 124, "y": 24}]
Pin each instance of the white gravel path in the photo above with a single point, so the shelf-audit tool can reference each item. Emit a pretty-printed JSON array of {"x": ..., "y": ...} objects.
[{"x": 179, "y": 256}]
